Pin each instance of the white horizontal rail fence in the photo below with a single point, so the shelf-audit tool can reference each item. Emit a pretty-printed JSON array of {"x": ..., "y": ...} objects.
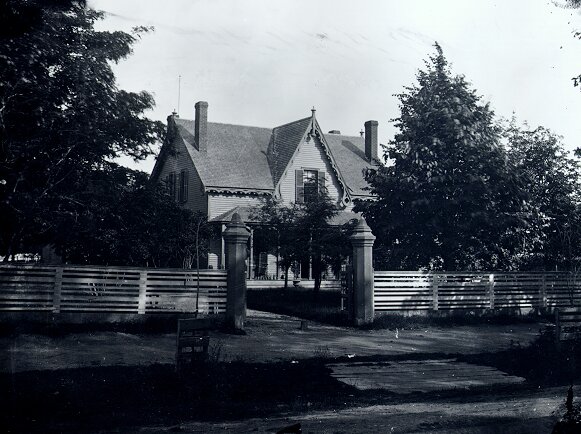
[
  {"x": 111, "y": 290},
  {"x": 416, "y": 290}
]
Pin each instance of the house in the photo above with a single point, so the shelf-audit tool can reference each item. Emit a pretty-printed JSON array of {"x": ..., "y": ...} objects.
[{"x": 219, "y": 169}]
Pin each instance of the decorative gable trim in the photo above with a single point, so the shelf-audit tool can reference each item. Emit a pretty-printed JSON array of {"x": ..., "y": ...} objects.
[
  {"x": 314, "y": 132},
  {"x": 238, "y": 191}
]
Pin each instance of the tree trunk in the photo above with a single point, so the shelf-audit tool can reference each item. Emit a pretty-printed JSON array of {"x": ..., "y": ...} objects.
[
  {"x": 317, "y": 272},
  {"x": 286, "y": 268}
]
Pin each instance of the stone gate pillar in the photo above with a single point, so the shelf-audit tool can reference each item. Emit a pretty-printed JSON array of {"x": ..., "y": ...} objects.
[
  {"x": 235, "y": 237},
  {"x": 362, "y": 241}
]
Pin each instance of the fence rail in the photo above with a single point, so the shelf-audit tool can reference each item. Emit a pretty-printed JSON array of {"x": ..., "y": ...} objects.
[
  {"x": 408, "y": 290},
  {"x": 111, "y": 290}
]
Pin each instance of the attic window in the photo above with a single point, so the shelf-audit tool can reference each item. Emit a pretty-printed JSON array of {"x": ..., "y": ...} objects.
[{"x": 309, "y": 184}]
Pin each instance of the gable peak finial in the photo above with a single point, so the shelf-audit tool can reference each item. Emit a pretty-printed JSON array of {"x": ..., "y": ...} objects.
[
  {"x": 313, "y": 110},
  {"x": 362, "y": 133}
]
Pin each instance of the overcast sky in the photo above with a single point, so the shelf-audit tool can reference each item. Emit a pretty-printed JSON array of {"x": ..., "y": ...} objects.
[{"x": 268, "y": 62}]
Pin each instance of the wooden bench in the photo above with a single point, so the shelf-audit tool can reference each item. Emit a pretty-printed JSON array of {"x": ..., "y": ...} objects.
[
  {"x": 567, "y": 323},
  {"x": 193, "y": 340}
]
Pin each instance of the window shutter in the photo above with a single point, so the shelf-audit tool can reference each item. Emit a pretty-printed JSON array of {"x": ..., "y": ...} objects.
[
  {"x": 183, "y": 192},
  {"x": 321, "y": 179},
  {"x": 171, "y": 184},
  {"x": 184, "y": 186},
  {"x": 300, "y": 187}
]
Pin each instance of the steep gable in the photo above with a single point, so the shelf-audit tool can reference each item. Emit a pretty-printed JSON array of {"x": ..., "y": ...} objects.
[
  {"x": 310, "y": 155},
  {"x": 283, "y": 145}
]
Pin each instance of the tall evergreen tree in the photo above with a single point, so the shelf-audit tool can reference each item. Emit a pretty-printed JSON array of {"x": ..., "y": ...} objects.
[{"x": 449, "y": 199}]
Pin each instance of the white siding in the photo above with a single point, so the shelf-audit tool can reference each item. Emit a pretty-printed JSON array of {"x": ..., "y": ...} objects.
[
  {"x": 310, "y": 155},
  {"x": 197, "y": 200},
  {"x": 220, "y": 203}
]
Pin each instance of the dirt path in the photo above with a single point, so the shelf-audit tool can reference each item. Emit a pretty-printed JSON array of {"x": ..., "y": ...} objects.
[
  {"x": 269, "y": 337},
  {"x": 498, "y": 414},
  {"x": 272, "y": 338}
]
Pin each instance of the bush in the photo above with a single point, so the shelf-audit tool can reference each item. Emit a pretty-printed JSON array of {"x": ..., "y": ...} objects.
[{"x": 321, "y": 306}]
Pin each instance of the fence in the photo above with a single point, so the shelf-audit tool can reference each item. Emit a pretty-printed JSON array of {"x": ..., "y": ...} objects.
[
  {"x": 412, "y": 291},
  {"x": 110, "y": 290}
]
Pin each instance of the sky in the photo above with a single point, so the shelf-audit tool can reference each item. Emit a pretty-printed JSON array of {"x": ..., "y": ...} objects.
[{"x": 268, "y": 62}]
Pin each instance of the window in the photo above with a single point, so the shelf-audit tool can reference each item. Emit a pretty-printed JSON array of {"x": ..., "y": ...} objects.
[
  {"x": 309, "y": 183},
  {"x": 183, "y": 192},
  {"x": 171, "y": 185}
]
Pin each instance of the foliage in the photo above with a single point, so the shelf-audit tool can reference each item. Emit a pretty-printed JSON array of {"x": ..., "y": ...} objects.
[
  {"x": 450, "y": 200},
  {"x": 276, "y": 234},
  {"x": 128, "y": 221},
  {"x": 552, "y": 180},
  {"x": 302, "y": 232},
  {"x": 322, "y": 307},
  {"x": 62, "y": 118}
]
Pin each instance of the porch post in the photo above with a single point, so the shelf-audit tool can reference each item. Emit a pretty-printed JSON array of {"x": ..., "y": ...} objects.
[
  {"x": 251, "y": 255},
  {"x": 235, "y": 237},
  {"x": 362, "y": 241}
]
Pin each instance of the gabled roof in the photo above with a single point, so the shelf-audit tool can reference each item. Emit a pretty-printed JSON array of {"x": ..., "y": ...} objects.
[
  {"x": 245, "y": 213},
  {"x": 236, "y": 155},
  {"x": 252, "y": 159},
  {"x": 283, "y": 145},
  {"x": 349, "y": 155}
]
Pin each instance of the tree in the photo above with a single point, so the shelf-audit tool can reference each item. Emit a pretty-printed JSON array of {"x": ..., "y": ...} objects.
[
  {"x": 552, "y": 179},
  {"x": 276, "y": 232},
  {"x": 302, "y": 232},
  {"x": 62, "y": 118},
  {"x": 450, "y": 200},
  {"x": 130, "y": 221}
]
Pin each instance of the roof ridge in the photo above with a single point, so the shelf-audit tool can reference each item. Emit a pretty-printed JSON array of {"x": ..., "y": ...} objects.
[
  {"x": 227, "y": 124},
  {"x": 343, "y": 135},
  {"x": 293, "y": 122}
]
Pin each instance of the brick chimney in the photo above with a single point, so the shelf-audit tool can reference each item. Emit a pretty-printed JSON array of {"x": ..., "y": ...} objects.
[
  {"x": 201, "y": 126},
  {"x": 371, "y": 140}
]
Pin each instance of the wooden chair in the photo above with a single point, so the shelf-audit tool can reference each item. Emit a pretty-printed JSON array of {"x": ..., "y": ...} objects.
[{"x": 192, "y": 342}]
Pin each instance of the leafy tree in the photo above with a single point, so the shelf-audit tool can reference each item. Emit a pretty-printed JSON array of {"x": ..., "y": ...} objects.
[
  {"x": 62, "y": 118},
  {"x": 450, "y": 200},
  {"x": 552, "y": 180},
  {"x": 129, "y": 221},
  {"x": 303, "y": 232},
  {"x": 276, "y": 232}
]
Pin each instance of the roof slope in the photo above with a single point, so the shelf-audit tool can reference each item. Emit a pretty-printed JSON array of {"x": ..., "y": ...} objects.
[
  {"x": 284, "y": 142},
  {"x": 251, "y": 158},
  {"x": 236, "y": 155},
  {"x": 349, "y": 155}
]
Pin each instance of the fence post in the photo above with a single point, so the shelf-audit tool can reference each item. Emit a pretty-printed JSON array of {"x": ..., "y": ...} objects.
[
  {"x": 56, "y": 295},
  {"x": 435, "y": 281},
  {"x": 491, "y": 290},
  {"x": 543, "y": 293},
  {"x": 362, "y": 241},
  {"x": 235, "y": 237},
  {"x": 142, "y": 292}
]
